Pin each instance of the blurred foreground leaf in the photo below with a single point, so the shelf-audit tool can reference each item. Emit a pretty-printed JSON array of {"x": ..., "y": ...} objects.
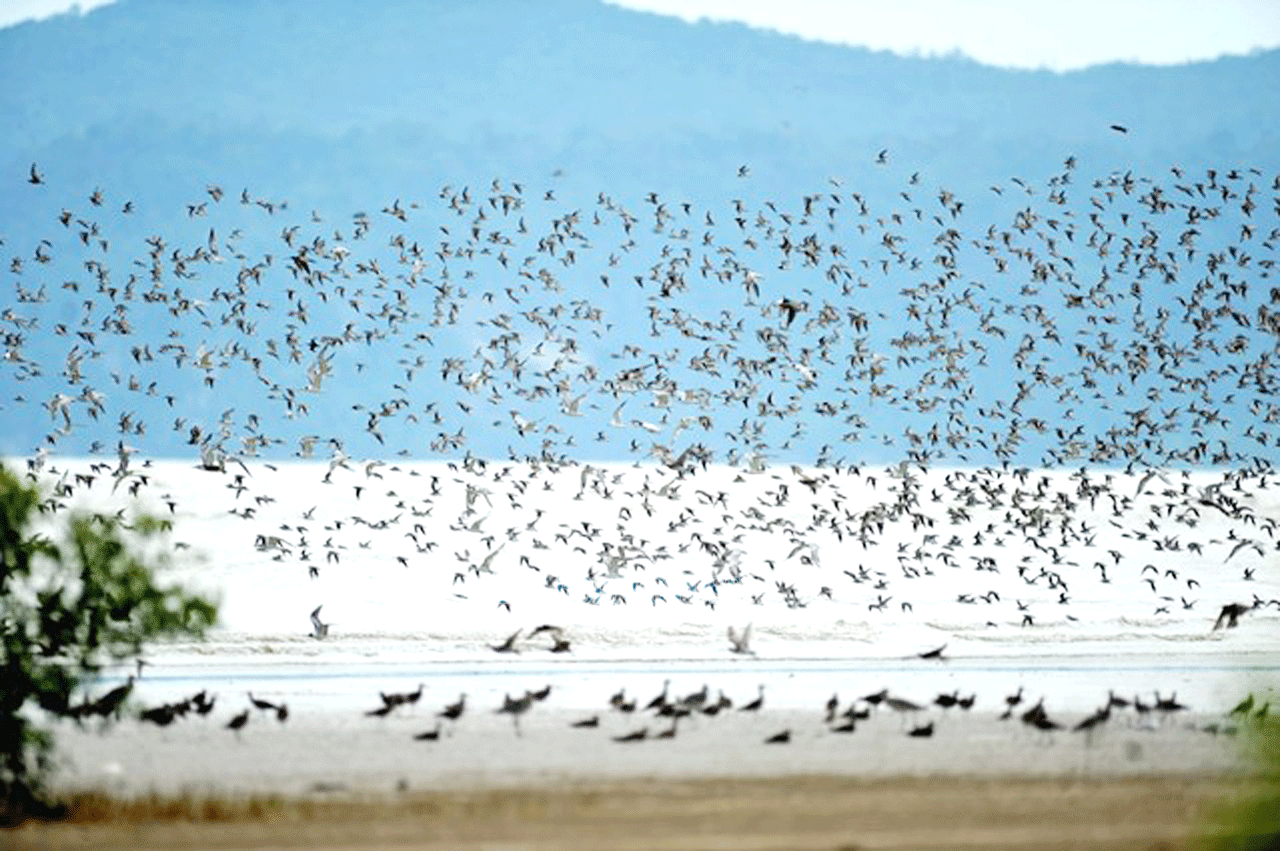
[{"x": 69, "y": 606}]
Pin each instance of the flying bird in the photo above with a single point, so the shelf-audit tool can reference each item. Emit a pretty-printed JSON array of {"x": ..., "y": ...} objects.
[
  {"x": 741, "y": 642},
  {"x": 319, "y": 629}
]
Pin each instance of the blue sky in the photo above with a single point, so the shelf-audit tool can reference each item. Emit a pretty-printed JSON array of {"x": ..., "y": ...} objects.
[{"x": 1057, "y": 34}]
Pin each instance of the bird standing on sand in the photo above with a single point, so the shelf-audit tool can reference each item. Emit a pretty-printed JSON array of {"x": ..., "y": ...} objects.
[
  {"x": 238, "y": 722},
  {"x": 454, "y": 710},
  {"x": 516, "y": 708},
  {"x": 935, "y": 653}
]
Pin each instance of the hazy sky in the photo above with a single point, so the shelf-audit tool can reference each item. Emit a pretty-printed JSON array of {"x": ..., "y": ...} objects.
[{"x": 1059, "y": 34}]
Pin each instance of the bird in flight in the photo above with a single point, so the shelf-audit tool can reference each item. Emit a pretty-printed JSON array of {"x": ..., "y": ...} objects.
[
  {"x": 741, "y": 642},
  {"x": 1230, "y": 615},
  {"x": 319, "y": 629}
]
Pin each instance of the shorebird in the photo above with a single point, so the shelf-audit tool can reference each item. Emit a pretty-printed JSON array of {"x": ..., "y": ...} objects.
[
  {"x": 696, "y": 699},
  {"x": 161, "y": 716},
  {"x": 238, "y": 722},
  {"x": 1096, "y": 719},
  {"x": 111, "y": 702},
  {"x": 1244, "y": 707},
  {"x": 754, "y": 706},
  {"x": 1168, "y": 704},
  {"x": 319, "y": 629},
  {"x": 508, "y": 646},
  {"x": 1011, "y": 701},
  {"x": 585, "y": 723},
  {"x": 898, "y": 704},
  {"x": 516, "y": 708},
  {"x": 923, "y": 731},
  {"x": 203, "y": 703},
  {"x": 741, "y": 643},
  {"x": 1230, "y": 615},
  {"x": 454, "y": 710},
  {"x": 263, "y": 705},
  {"x": 779, "y": 738},
  {"x": 935, "y": 653},
  {"x": 636, "y": 736},
  {"x": 661, "y": 700},
  {"x": 429, "y": 735}
]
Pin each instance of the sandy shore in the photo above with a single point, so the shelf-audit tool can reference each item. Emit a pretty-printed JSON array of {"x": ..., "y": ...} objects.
[
  {"x": 345, "y": 780},
  {"x": 484, "y": 750},
  {"x": 799, "y": 812}
]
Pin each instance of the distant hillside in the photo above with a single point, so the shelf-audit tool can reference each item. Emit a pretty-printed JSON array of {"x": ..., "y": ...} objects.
[{"x": 349, "y": 104}]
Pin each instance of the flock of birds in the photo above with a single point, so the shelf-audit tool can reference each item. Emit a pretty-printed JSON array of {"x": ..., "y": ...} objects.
[
  {"x": 687, "y": 709},
  {"x": 1128, "y": 322},
  {"x": 1069, "y": 397}
]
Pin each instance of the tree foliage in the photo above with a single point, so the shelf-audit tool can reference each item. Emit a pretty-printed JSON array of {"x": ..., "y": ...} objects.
[{"x": 73, "y": 600}]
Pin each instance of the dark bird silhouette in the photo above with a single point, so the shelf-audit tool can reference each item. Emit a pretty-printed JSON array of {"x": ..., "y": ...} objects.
[
  {"x": 1244, "y": 707},
  {"x": 508, "y": 646},
  {"x": 923, "y": 731},
  {"x": 264, "y": 705},
  {"x": 935, "y": 653},
  {"x": 429, "y": 735},
  {"x": 1230, "y": 615},
  {"x": 779, "y": 738},
  {"x": 754, "y": 706},
  {"x": 454, "y": 710},
  {"x": 161, "y": 716},
  {"x": 238, "y": 721},
  {"x": 111, "y": 702},
  {"x": 586, "y": 723},
  {"x": 661, "y": 700},
  {"x": 1093, "y": 721}
]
